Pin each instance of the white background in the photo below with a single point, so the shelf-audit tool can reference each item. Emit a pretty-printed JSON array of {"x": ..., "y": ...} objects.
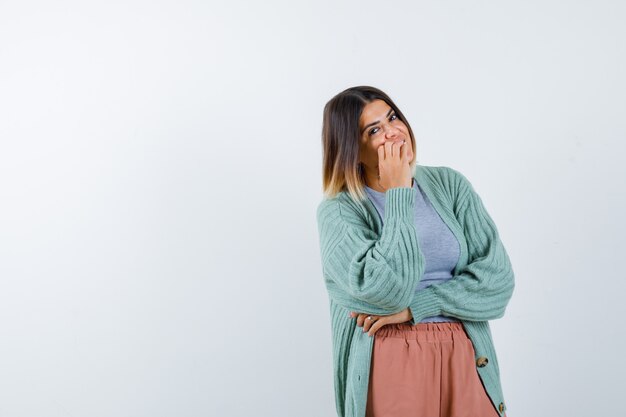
[{"x": 160, "y": 168}]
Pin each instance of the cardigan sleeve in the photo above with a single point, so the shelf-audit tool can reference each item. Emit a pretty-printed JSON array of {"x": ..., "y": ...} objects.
[
  {"x": 363, "y": 271},
  {"x": 481, "y": 290}
]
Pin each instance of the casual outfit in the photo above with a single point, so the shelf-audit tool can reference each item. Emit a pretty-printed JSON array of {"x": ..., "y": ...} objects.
[{"x": 435, "y": 249}]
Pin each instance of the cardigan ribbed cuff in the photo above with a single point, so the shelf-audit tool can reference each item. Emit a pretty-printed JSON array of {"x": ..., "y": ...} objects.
[
  {"x": 425, "y": 303},
  {"x": 400, "y": 203}
]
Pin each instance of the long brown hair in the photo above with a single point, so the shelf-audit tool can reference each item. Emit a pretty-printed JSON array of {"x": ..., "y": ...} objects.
[{"x": 341, "y": 170}]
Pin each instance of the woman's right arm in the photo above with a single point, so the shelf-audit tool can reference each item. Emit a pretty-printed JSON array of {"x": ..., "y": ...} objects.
[{"x": 364, "y": 272}]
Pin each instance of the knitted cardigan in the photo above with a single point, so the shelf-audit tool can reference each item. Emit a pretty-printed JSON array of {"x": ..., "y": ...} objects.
[{"x": 374, "y": 269}]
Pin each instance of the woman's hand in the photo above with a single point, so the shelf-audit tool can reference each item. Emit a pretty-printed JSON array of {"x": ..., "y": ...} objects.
[
  {"x": 371, "y": 326},
  {"x": 393, "y": 164}
]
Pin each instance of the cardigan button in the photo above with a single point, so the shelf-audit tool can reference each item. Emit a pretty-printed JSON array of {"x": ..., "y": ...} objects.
[
  {"x": 482, "y": 361},
  {"x": 501, "y": 407}
]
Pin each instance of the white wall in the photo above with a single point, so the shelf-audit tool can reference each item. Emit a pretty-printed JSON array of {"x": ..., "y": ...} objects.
[{"x": 160, "y": 167}]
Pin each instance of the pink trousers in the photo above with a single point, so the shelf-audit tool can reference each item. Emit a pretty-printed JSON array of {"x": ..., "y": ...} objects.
[{"x": 425, "y": 370}]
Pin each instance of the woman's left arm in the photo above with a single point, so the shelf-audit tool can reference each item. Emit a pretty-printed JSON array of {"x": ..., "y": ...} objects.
[{"x": 481, "y": 290}]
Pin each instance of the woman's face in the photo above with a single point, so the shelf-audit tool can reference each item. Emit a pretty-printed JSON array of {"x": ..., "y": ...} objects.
[{"x": 379, "y": 124}]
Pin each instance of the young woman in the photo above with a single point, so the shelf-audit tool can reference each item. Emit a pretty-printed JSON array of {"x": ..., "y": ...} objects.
[{"x": 414, "y": 268}]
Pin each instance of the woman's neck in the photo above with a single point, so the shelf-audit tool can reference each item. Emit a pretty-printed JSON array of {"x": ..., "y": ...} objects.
[{"x": 376, "y": 187}]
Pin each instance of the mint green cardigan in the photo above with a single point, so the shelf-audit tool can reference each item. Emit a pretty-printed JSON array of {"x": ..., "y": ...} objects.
[{"x": 373, "y": 269}]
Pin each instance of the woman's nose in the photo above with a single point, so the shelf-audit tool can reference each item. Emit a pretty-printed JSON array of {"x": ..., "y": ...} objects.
[{"x": 391, "y": 132}]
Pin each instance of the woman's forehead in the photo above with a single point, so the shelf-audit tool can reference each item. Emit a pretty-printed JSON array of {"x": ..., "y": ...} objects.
[{"x": 375, "y": 111}]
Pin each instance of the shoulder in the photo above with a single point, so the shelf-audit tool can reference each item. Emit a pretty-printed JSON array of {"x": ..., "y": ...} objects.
[
  {"x": 328, "y": 207},
  {"x": 446, "y": 179},
  {"x": 341, "y": 210}
]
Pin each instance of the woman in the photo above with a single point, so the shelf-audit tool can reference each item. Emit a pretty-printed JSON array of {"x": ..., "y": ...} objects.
[{"x": 414, "y": 269}]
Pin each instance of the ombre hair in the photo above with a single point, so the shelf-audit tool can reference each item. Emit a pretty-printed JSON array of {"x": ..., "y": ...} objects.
[{"x": 341, "y": 137}]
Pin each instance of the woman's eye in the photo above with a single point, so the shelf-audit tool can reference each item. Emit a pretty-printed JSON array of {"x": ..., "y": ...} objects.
[{"x": 374, "y": 130}]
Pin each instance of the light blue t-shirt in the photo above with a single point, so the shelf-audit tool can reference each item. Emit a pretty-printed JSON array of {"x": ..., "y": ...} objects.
[{"x": 437, "y": 242}]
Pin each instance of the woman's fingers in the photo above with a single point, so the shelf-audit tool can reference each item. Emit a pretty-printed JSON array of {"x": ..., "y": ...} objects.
[
  {"x": 377, "y": 325},
  {"x": 403, "y": 152},
  {"x": 391, "y": 149},
  {"x": 372, "y": 326},
  {"x": 369, "y": 324},
  {"x": 361, "y": 319},
  {"x": 396, "y": 148},
  {"x": 388, "y": 149}
]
